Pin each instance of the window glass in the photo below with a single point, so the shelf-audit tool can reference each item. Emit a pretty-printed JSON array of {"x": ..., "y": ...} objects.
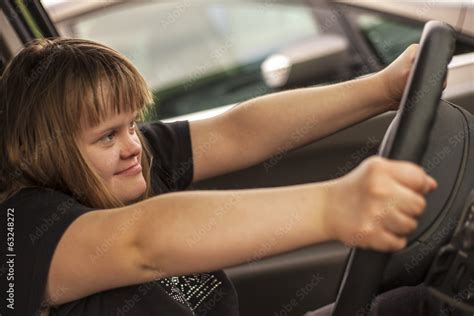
[
  {"x": 388, "y": 38},
  {"x": 196, "y": 56}
]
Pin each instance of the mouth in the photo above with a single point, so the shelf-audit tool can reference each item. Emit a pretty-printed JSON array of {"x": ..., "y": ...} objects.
[{"x": 132, "y": 170}]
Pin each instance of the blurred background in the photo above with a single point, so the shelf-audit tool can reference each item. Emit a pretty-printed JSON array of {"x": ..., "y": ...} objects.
[{"x": 198, "y": 55}]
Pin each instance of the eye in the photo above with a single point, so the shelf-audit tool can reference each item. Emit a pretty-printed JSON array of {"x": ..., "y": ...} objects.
[{"x": 108, "y": 138}]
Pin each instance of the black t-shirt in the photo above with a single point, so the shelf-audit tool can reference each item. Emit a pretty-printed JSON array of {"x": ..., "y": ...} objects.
[{"x": 34, "y": 219}]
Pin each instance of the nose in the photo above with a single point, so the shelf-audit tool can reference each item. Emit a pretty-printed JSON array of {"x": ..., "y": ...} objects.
[{"x": 131, "y": 147}]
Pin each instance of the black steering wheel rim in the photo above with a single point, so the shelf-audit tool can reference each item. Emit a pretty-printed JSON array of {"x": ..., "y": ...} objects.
[{"x": 406, "y": 139}]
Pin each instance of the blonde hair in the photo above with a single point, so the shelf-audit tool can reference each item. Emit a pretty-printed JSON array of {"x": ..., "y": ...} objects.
[{"x": 49, "y": 90}]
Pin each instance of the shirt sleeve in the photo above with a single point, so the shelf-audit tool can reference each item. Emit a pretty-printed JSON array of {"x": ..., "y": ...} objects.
[
  {"x": 40, "y": 217},
  {"x": 170, "y": 145}
]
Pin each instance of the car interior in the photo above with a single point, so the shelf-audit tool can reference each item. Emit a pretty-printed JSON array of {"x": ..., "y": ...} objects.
[
  {"x": 433, "y": 128},
  {"x": 422, "y": 129}
]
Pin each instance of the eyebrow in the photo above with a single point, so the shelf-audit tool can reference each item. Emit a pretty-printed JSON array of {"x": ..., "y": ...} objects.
[{"x": 111, "y": 128}]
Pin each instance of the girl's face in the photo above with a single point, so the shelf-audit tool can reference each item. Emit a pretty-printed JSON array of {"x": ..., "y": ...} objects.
[{"x": 114, "y": 151}]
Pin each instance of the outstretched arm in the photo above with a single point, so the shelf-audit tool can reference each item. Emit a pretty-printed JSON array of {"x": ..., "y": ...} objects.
[
  {"x": 256, "y": 129},
  {"x": 374, "y": 206},
  {"x": 180, "y": 233}
]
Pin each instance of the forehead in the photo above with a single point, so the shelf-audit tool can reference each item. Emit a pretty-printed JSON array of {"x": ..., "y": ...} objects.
[
  {"x": 113, "y": 117},
  {"x": 107, "y": 100},
  {"x": 111, "y": 120}
]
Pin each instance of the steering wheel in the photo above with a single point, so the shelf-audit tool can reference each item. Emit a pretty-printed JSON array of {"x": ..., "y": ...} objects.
[{"x": 406, "y": 139}]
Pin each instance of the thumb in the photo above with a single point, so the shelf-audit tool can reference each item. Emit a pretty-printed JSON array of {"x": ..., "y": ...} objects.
[{"x": 431, "y": 184}]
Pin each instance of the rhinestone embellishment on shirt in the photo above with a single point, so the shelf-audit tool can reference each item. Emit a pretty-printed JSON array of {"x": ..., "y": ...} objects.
[{"x": 191, "y": 290}]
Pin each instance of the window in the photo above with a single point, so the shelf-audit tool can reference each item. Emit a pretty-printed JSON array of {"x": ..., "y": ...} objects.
[
  {"x": 195, "y": 56},
  {"x": 389, "y": 38}
]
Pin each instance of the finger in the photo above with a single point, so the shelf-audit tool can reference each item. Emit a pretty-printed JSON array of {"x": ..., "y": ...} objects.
[
  {"x": 395, "y": 215},
  {"x": 399, "y": 224},
  {"x": 388, "y": 242},
  {"x": 410, "y": 203},
  {"x": 411, "y": 51},
  {"x": 412, "y": 176},
  {"x": 433, "y": 184},
  {"x": 407, "y": 56}
]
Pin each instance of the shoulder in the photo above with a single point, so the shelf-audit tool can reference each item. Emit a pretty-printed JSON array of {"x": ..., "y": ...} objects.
[
  {"x": 36, "y": 193},
  {"x": 39, "y": 201},
  {"x": 166, "y": 133},
  {"x": 34, "y": 220},
  {"x": 39, "y": 213},
  {"x": 171, "y": 148}
]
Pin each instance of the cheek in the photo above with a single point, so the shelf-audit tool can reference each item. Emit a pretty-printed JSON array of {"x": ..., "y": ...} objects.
[{"x": 105, "y": 162}]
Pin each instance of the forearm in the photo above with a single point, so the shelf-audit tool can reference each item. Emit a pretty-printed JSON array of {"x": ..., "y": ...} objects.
[
  {"x": 197, "y": 231},
  {"x": 282, "y": 121}
]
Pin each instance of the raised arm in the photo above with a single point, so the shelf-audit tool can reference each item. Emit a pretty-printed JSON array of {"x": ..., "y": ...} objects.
[{"x": 261, "y": 127}]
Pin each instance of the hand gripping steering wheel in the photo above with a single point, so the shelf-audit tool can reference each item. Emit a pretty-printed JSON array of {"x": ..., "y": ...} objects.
[{"x": 406, "y": 139}]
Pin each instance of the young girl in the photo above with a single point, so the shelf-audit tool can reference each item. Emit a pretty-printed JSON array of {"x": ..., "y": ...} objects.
[{"x": 90, "y": 230}]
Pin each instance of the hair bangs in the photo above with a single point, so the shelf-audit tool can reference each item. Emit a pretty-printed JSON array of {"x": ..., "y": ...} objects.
[{"x": 109, "y": 88}]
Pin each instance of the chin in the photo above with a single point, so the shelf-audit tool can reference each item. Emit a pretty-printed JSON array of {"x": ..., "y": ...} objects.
[{"x": 132, "y": 191}]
